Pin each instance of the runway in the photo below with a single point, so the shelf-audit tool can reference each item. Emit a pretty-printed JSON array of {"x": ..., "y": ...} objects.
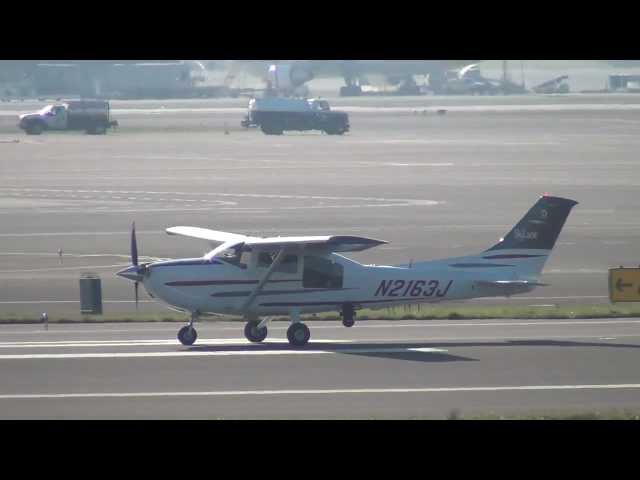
[
  {"x": 377, "y": 369},
  {"x": 433, "y": 186}
]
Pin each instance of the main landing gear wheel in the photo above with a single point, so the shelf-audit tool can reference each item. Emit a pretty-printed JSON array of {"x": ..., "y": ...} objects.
[
  {"x": 348, "y": 315},
  {"x": 253, "y": 333},
  {"x": 298, "y": 334},
  {"x": 187, "y": 335}
]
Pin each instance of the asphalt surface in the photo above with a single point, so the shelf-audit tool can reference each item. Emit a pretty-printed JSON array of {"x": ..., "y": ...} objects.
[
  {"x": 433, "y": 185},
  {"x": 375, "y": 370}
]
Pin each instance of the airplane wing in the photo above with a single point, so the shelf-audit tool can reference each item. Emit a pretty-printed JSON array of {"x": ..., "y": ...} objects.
[
  {"x": 206, "y": 234},
  {"x": 331, "y": 243}
]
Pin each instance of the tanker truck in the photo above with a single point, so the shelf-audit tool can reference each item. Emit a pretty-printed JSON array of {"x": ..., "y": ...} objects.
[{"x": 274, "y": 115}]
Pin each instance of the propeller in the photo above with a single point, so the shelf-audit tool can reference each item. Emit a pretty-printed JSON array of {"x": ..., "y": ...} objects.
[
  {"x": 136, "y": 271},
  {"x": 134, "y": 245},
  {"x": 134, "y": 258}
]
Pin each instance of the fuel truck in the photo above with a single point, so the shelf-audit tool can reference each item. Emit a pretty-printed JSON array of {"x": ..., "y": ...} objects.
[{"x": 274, "y": 115}]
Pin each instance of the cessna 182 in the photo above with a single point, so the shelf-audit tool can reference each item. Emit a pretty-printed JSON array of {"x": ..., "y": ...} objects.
[{"x": 258, "y": 277}]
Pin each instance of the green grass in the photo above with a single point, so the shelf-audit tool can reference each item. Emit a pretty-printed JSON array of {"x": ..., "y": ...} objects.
[
  {"x": 608, "y": 414},
  {"x": 421, "y": 312}
]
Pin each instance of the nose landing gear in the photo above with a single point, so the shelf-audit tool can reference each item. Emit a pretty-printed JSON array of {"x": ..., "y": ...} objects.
[{"x": 187, "y": 335}]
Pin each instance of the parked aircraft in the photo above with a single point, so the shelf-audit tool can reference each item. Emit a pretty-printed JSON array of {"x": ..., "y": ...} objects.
[
  {"x": 261, "y": 277},
  {"x": 286, "y": 76}
]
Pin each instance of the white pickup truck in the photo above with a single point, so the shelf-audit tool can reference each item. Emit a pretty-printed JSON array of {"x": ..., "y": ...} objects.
[{"x": 89, "y": 115}]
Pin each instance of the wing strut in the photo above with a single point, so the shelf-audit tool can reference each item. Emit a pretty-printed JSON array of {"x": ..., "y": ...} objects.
[{"x": 263, "y": 281}]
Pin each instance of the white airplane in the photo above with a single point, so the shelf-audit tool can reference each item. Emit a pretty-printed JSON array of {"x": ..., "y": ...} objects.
[{"x": 261, "y": 277}]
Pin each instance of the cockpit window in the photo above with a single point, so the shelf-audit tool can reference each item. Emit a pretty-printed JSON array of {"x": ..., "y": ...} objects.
[
  {"x": 289, "y": 263},
  {"x": 234, "y": 258}
]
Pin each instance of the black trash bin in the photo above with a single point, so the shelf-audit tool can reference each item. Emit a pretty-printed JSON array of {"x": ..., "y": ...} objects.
[{"x": 90, "y": 294}]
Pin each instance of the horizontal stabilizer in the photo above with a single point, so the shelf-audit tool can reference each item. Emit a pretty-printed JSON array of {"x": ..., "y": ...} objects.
[{"x": 506, "y": 287}]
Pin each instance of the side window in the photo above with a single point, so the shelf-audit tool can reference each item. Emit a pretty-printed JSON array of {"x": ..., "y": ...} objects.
[
  {"x": 264, "y": 259},
  {"x": 321, "y": 272},
  {"x": 289, "y": 263}
]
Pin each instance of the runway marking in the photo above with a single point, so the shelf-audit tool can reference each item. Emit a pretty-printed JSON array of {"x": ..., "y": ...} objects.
[
  {"x": 29, "y": 302},
  {"x": 243, "y": 342},
  {"x": 229, "y": 353},
  {"x": 58, "y": 268},
  {"x": 80, "y": 255},
  {"x": 154, "y": 342},
  {"x": 404, "y": 201},
  {"x": 419, "y": 164},
  {"x": 74, "y": 234},
  {"x": 334, "y": 391}
]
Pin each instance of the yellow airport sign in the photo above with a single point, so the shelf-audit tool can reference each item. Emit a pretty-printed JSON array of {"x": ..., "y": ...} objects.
[{"x": 624, "y": 284}]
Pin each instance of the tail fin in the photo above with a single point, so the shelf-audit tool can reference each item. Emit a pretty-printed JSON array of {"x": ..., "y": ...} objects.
[{"x": 540, "y": 227}]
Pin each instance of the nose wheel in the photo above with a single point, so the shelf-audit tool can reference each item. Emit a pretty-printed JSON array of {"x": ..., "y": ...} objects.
[
  {"x": 187, "y": 335},
  {"x": 254, "y": 333},
  {"x": 298, "y": 334}
]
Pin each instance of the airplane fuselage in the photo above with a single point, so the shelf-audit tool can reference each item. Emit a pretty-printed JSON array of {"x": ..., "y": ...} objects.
[{"x": 221, "y": 287}]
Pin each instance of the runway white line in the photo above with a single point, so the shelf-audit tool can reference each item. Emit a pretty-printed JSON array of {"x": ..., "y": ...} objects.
[
  {"x": 77, "y": 234},
  {"x": 29, "y": 302},
  {"x": 242, "y": 195},
  {"x": 243, "y": 342},
  {"x": 229, "y": 353},
  {"x": 334, "y": 391},
  {"x": 59, "y": 268},
  {"x": 419, "y": 164},
  {"x": 144, "y": 342}
]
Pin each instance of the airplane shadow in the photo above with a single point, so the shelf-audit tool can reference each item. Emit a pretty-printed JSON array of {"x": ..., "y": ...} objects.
[
  {"x": 408, "y": 351},
  {"x": 397, "y": 351},
  {"x": 533, "y": 343}
]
